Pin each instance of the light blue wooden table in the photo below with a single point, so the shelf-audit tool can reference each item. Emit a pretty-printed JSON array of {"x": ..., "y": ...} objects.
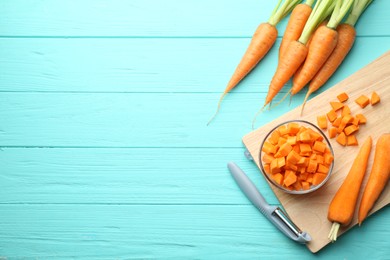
[{"x": 105, "y": 152}]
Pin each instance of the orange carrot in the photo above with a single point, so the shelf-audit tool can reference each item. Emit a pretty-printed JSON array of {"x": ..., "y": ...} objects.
[
  {"x": 346, "y": 38},
  {"x": 343, "y": 204},
  {"x": 262, "y": 41},
  {"x": 379, "y": 177},
  {"x": 296, "y": 52},
  {"x": 295, "y": 25},
  {"x": 321, "y": 47},
  {"x": 375, "y": 99}
]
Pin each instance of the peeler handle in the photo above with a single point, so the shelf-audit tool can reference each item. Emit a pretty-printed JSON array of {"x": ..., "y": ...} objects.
[{"x": 249, "y": 189}]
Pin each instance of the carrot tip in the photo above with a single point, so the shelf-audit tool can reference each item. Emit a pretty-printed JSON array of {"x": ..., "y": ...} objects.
[
  {"x": 305, "y": 100},
  {"x": 218, "y": 108}
]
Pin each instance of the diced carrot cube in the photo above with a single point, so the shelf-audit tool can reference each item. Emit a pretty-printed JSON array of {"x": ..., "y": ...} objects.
[
  {"x": 293, "y": 128},
  {"x": 362, "y": 119},
  {"x": 344, "y": 121},
  {"x": 342, "y": 97},
  {"x": 322, "y": 168},
  {"x": 267, "y": 158},
  {"x": 269, "y": 148},
  {"x": 312, "y": 167},
  {"x": 332, "y": 132},
  {"x": 305, "y": 185},
  {"x": 289, "y": 179},
  {"x": 283, "y": 130},
  {"x": 305, "y": 149},
  {"x": 281, "y": 162},
  {"x": 292, "y": 140},
  {"x": 362, "y": 101},
  {"x": 336, "y": 105},
  {"x": 278, "y": 178},
  {"x": 274, "y": 137},
  {"x": 303, "y": 176},
  {"x": 281, "y": 141},
  {"x": 328, "y": 159},
  {"x": 293, "y": 157},
  {"x": 303, "y": 161},
  {"x": 292, "y": 167},
  {"x": 332, "y": 115},
  {"x": 355, "y": 121},
  {"x": 310, "y": 178},
  {"x": 319, "y": 146},
  {"x": 337, "y": 122},
  {"x": 320, "y": 159},
  {"x": 315, "y": 135},
  {"x": 296, "y": 148},
  {"x": 305, "y": 136},
  {"x": 322, "y": 122},
  {"x": 297, "y": 185},
  {"x": 351, "y": 140},
  {"x": 318, "y": 178},
  {"x": 283, "y": 150},
  {"x": 375, "y": 99},
  {"x": 267, "y": 168},
  {"x": 342, "y": 139},
  {"x": 350, "y": 129},
  {"x": 274, "y": 167},
  {"x": 346, "y": 111}
]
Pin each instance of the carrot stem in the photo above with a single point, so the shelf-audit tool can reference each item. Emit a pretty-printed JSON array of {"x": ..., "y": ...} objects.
[
  {"x": 339, "y": 12},
  {"x": 279, "y": 13},
  {"x": 358, "y": 8},
  {"x": 333, "y": 231},
  {"x": 309, "y": 2},
  {"x": 315, "y": 17}
]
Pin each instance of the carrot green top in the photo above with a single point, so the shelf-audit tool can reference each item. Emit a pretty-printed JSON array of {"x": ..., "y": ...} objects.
[
  {"x": 339, "y": 12},
  {"x": 282, "y": 11},
  {"x": 319, "y": 13},
  {"x": 359, "y": 6}
]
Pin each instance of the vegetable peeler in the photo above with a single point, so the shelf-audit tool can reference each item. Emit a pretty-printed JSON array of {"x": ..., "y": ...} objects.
[{"x": 273, "y": 213}]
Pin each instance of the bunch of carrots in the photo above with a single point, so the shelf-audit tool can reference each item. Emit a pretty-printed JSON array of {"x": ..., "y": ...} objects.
[{"x": 312, "y": 47}]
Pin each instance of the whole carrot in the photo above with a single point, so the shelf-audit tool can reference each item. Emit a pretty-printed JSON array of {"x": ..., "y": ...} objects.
[
  {"x": 379, "y": 177},
  {"x": 321, "y": 47},
  {"x": 295, "y": 25},
  {"x": 262, "y": 41},
  {"x": 346, "y": 38},
  {"x": 342, "y": 207}
]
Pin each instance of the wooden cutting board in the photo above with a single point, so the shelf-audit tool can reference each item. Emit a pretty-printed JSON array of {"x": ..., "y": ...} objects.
[{"x": 309, "y": 211}]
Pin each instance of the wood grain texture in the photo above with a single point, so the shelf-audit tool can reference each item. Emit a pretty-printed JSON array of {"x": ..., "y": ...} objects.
[
  {"x": 104, "y": 151},
  {"x": 313, "y": 219},
  {"x": 153, "y": 18},
  {"x": 138, "y": 65},
  {"x": 93, "y": 231}
]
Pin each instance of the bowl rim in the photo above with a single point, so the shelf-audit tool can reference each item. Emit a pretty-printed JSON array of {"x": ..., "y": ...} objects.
[{"x": 281, "y": 187}]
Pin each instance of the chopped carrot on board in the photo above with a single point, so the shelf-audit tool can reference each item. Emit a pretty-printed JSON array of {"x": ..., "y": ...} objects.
[
  {"x": 362, "y": 119},
  {"x": 342, "y": 139},
  {"x": 332, "y": 115},
  {"x": 332, "y": 132},
  {"x": 322, "y": 122},
  {"x": 346, "y": 111},
  {"x": 336, "y": 105},
  {"x": 375, "y": 99},
  {"x": 362, "y": 101},
  {"x": 351, "y": 140},
  {"x": 337, "y": 122},
  {"x": 350, "y": 129},
  {"x": 342, "y": 97}
]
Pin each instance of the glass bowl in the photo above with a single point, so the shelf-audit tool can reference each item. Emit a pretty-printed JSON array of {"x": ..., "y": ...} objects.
[{"x": 312, "y": 187}]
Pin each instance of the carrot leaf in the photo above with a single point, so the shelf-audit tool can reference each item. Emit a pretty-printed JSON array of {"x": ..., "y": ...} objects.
[
  {"x": 282, "y": 11},
  {"x": 321, "y": 7},
  {"x": 359, "y": 6},
  {"x": 339, "y": 12}
]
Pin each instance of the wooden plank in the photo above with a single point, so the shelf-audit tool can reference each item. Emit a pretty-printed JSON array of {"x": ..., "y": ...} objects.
[
  {"x": 126, "y": 119},
  {"x": 150, "y": 231},
  {"x": 124, "y": 176},
  {"x": 136, "y": 65},
  {"x": 153, "y": 18},
  {"x": 313, "y": 219}
]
